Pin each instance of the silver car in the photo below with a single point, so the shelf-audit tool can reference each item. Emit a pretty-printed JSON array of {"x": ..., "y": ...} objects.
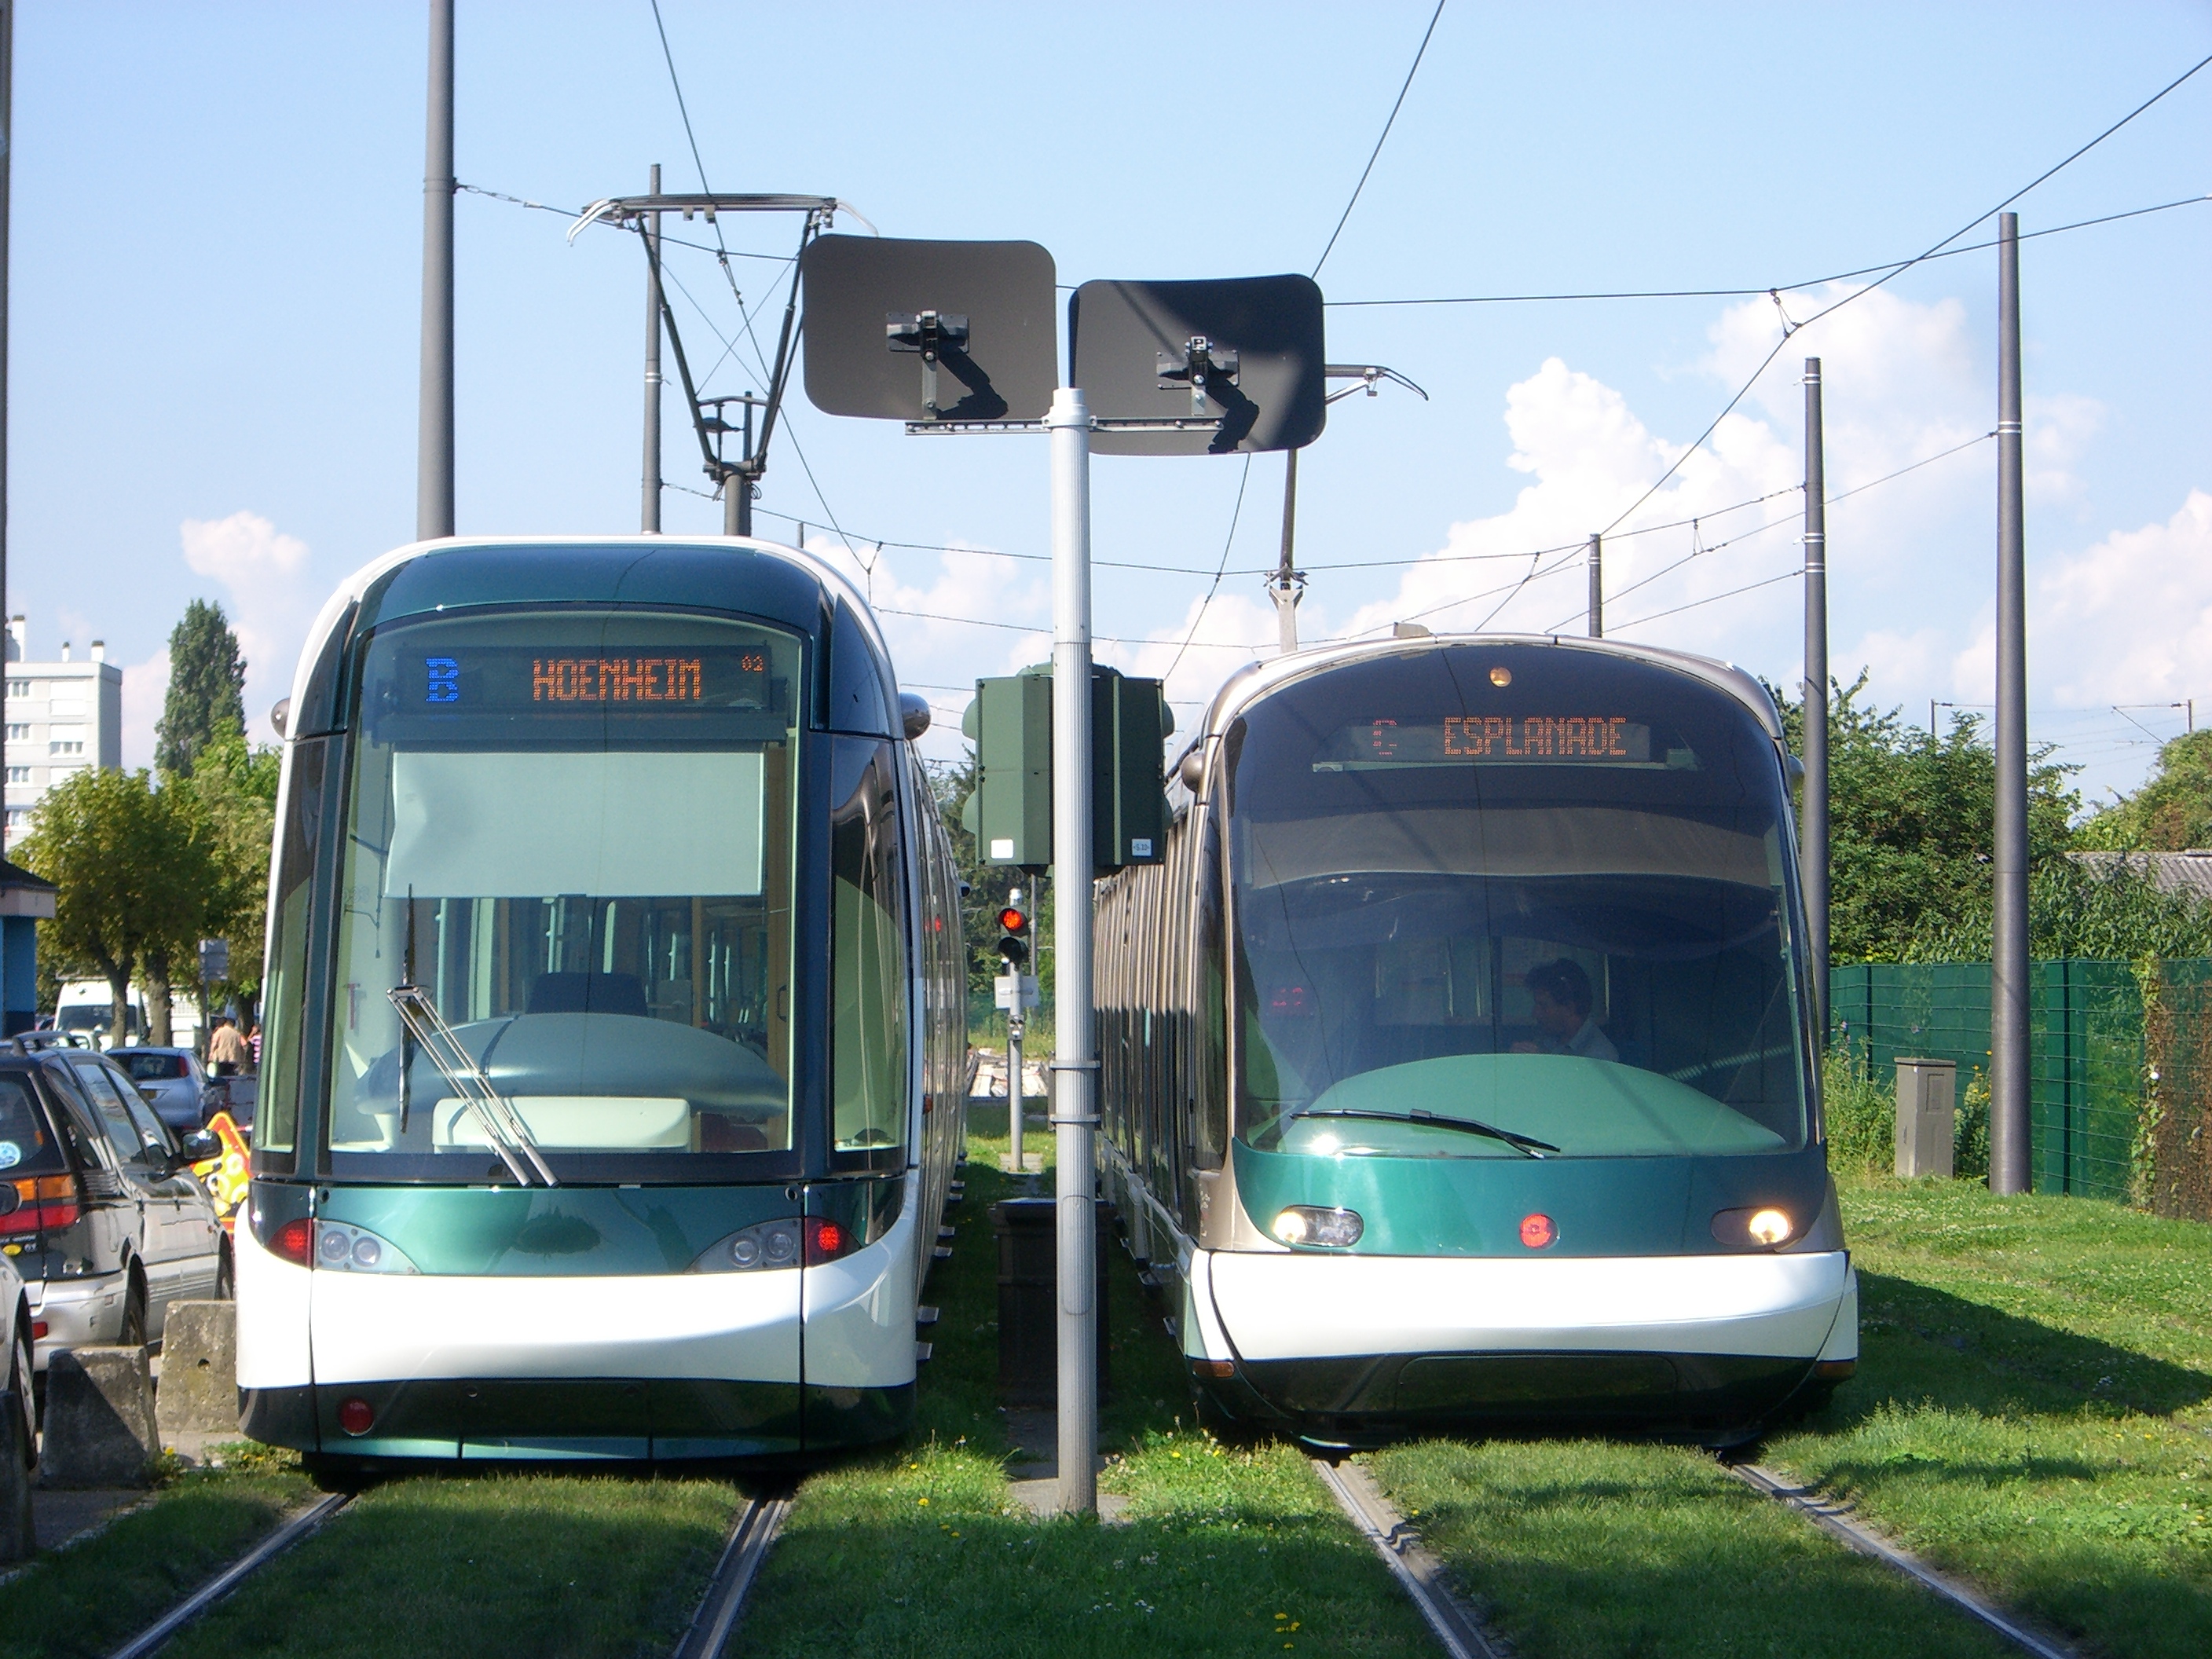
[{"x": 109, "y": 1227}]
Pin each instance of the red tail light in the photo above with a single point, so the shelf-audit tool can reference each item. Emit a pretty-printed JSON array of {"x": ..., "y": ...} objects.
[
  {"x": 356, "y": 1416},
  {"x": 47, "y": 1202},
  {"x": 39, "y": 1328},
  {"x": 295, "y": 1241},
  {"x": 827, "y": 1240}
]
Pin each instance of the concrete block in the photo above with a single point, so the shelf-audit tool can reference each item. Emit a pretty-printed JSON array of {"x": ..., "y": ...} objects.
[
  {"x": 198, "y": 1396},
  {"x": 100, "y": 1418}
]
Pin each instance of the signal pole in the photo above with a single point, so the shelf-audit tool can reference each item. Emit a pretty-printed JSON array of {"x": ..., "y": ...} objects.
[
  {"x": 1813, "y": 835},
  {"x": 1597, "y": 587},
  {"x": 2008, "y": 965},
  {"x": 7, "y": 166},
  {"x": 434, "y": 466},
  {"x": 1288, "y": 586},
  {"x": 1075, "y": 1066},
  {"x": 649, "y": 520}
]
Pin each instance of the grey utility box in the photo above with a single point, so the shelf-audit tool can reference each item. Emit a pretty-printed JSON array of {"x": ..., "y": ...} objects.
[{"x": 1927, "y": 1093}]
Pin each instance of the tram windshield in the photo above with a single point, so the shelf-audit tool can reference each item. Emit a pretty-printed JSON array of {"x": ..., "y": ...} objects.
[
  {"x": 1542, "y": 888},
  {"x": 566, "y": 925}
]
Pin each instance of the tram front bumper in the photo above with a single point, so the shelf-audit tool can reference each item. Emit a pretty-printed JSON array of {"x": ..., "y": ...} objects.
[{"x": 1435, "y": 1338}]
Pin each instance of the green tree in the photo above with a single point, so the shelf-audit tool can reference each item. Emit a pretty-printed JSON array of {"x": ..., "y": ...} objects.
[
  {"x": 2116, "y": 914},
  {"x": 1910, "y": 826},
  {"x": 233, "y": 789},
  {"x": 133, "y": 865},
  {"x": 207, "y": 685},
  {"x": 2172, "y": 812}
]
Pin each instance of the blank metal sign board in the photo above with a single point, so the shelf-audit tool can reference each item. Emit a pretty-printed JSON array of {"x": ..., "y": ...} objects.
[
  {"x": 1252, "y": 343},
  {"x": 894, "y": 326}
]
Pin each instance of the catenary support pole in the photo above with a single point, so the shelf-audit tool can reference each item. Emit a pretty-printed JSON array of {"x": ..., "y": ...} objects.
[
  {"x": 7, "y": 152},
  {"x": 2008, "y": 970},
  {"x": 1597, "y": 587},
  {"x": 433, "y": 465},
  {"x": 1075, "y": 1068},
  {"x": 1813, "y": 831},
  {"x": 649, "y": 518},
  {"x": 1288, "y": 586}
]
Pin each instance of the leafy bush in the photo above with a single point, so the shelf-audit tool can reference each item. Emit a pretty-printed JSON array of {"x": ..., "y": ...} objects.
[
  {"x": 1861, "y": 1114},
  {"x": 1969, "y": 1138}
]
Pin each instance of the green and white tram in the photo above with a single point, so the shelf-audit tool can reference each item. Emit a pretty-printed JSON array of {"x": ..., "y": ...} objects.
[
  {"x": 1457, "y": 1061},
  {"x": 615, "y": 1027}
]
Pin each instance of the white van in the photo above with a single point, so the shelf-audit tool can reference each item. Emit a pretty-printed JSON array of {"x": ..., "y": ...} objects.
[{"x": 88, "y": 1007}]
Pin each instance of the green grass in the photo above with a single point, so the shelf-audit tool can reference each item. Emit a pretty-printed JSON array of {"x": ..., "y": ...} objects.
[
  {"x": 2033, "y": 1404},
  {"x": 2031, "y": 1412},
  {"x": 509, "y": 1565},
  {"x": 90, "y": 1598},
  {"x": 1223, "y": 1552}
]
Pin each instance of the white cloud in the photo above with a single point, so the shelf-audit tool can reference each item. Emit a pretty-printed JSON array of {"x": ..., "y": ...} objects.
[
  {"x": 2129, "y": 620},
  {"x": 269, "y": 610}
]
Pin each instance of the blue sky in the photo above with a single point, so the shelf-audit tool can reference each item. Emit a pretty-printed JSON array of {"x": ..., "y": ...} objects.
[{"x": 217, "y": 248}]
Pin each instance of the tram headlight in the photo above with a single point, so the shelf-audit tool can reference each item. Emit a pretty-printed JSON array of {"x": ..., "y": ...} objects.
[
  {"x": 1756, "y": 1227},
  {"x": 342, "y": 1247},
  {"x": 1313, "y": 1224},
  {"x": 778, "y": 1243}
]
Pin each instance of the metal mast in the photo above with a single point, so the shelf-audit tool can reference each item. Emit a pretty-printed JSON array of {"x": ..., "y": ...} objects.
[{"x": 434, "y": 466}]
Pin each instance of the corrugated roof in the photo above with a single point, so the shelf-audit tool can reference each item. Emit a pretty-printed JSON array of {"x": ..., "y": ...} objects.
[{"x": 2170, "y": 872}]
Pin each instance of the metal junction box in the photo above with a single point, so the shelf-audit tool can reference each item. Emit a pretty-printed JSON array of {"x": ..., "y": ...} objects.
[
  {"x": 1927, "y": 1094},
  {"x": 1010, "y": 813}
]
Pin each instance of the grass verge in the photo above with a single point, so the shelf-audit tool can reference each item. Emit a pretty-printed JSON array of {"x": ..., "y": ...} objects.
[
  {"x": 919, "y": 1552},
  {"x": 524, "y": 1563},
  {"x": 90, "y": 1598},
  {"x": 2033, "y": 1404}
]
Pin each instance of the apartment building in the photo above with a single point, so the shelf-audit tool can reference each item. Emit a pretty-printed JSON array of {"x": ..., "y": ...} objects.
[{"x": 61, "y": 717}]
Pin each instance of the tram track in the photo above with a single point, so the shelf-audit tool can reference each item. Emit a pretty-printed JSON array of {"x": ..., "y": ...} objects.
[
  {"x": 157, "y": 1635},
  {"x": 1418, "y": 1572},
  {"x": 752, "y": 1535},
  {"x": 1838, "y": 1523}
]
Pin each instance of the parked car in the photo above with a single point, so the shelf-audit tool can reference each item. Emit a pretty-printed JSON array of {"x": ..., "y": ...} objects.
[
  {"x": 109, "y": 1229},
  {"x": 32, "y": 1043},
  {"x": 236, "y": 1095},
  {"x": 19, "y": 1415},
  {"x": 173, "y": 1081}
]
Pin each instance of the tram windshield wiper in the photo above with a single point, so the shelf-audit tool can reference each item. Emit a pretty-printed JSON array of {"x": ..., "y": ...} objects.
[
  {"x": 1527, "y": 1145},
  {"x": 503, "y": 1127}
]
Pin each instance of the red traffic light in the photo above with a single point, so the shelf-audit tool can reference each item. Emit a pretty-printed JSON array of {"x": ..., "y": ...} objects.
[{"x": 1011, "y": 921}]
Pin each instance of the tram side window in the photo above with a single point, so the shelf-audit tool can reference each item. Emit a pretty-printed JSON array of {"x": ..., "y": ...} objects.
[
  {"x": 1209, "y": 1061},
  {"x": 867, "y": 953},
  {"x": 283, "y": 1004}
]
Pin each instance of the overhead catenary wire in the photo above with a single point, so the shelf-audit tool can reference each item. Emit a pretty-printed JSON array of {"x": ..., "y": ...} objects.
[
  {"x": 1375, "y": 155},
  {"x": 1755, "y": 292},
  {"x": 1858, "y": 293},
  {"x": 1229, "y": 541}
]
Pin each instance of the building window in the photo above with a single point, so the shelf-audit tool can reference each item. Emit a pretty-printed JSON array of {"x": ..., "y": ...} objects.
[
  {"x": 64, "y": 746},
  {"x": 18, "y": 816},
  {"x": 18, "y": 733},
  {"x": 19, "y": 774},
  {"x": 19, "y": 688}
]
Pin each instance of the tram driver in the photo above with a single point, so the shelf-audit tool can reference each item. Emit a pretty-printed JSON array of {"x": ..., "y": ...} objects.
[{"x": 1560, "y": 993}]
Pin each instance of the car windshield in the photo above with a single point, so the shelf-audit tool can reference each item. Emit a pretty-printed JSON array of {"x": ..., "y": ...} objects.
[
  {"x": 151, "y": 1068},
  {"x": 569, "y": 857},
  {"x": 1541, "y": 888}
]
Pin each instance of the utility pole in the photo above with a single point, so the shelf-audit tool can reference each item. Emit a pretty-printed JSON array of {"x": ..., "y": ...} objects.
[
  {"x": 1597, "y": 587},
  {"x": 433, "y": 465},
  {"x": 1288, "y": 585},
  {"x": 649, "y": 521},
  {"x": 2008, "y": 966},
  {"x": 7, "y": 166},
  {"x": 1074, "y": 1093},
  {"x": 1812, "y": 834}
]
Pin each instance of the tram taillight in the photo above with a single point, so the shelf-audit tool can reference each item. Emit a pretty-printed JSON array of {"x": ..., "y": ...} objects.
[
  {"x": 827, "y": 1240},
  {"x": 295, "y": 1241}
]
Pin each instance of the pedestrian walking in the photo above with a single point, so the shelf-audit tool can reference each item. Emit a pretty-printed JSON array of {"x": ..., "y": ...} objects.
[{"x": 226, "y": 1049}]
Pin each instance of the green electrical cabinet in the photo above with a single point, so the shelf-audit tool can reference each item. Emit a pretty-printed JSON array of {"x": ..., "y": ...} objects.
[{"x": 1010, "y": 813}]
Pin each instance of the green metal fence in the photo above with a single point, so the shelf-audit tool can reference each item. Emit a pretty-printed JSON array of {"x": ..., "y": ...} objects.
[{"x": 2086, "y": 1056}]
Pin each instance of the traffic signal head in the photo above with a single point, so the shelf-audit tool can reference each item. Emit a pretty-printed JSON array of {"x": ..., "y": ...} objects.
[{"x": 1011, "y": 921}]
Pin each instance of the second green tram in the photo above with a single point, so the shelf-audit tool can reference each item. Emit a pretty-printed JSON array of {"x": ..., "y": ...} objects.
[{"x": 1457, "y": 1061}]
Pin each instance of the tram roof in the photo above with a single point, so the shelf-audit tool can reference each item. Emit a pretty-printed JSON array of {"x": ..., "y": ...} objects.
[
  {"x": 342, "y": 605},
  {"x": 1258, "y": 679}
]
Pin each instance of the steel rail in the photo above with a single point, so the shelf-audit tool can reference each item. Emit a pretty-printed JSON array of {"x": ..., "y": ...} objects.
[
  {"x": 1833, "y": 1519},
  {"x": 157, "y": 1634},
  {"x": 752, "y": 1535},
  {"x": 1417, "y": 1572}
]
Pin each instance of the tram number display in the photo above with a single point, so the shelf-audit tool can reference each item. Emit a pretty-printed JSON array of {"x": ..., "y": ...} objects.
[
  {"x": 637, "y": 680},
  {"x": 1537, "y": 739}
]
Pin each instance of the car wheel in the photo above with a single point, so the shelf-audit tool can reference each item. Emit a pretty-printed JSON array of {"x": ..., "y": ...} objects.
[
  {"x": 18, "y": 1455},
  {"x": 226, "y": 1277},
  {"x": 133, "y": 1333}
]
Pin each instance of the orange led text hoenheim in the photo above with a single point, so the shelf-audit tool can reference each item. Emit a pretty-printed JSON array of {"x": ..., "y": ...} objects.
[{"x": 615, "y": 679}]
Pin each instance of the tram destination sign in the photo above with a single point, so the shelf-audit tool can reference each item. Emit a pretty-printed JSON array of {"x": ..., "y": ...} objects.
[
  {"x": 1561, "y": 739},
  {"x": 631, "y": 679}
]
